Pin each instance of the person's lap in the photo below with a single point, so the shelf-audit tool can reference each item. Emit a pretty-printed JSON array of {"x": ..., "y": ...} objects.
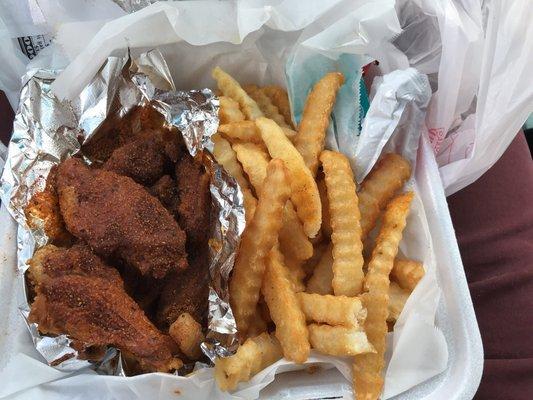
[{"x": 493, "y": 220}]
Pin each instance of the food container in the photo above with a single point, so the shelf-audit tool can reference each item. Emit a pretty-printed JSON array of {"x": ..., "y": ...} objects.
[{"x": 455, "y": 319}]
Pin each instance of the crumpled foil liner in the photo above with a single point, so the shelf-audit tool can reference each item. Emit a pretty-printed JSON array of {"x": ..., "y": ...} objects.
[{"x": 47, "y": 131}]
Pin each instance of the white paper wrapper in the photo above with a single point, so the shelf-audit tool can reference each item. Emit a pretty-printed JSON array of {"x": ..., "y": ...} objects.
[{"x": 274, "y": 45}]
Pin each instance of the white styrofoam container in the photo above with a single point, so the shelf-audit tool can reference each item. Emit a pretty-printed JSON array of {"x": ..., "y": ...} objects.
[{"x": 455, "y": 316}]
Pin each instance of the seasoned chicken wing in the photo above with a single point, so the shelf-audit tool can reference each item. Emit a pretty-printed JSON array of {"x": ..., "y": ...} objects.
[
  {"x": 118, "y": 218},
  {"x": 78, "y": 295},
  {"x": 147, "y": 157}
]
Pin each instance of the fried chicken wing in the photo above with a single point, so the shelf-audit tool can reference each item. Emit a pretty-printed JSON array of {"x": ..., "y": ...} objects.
[
  {"x": 118, "y": 218},
  {"x": 188, "y": 198},
  {"x": 78, "y": 295},
  {"x": 148, "y": 156},
  {"x": 194, "y": 204},
  {"x": 42, "y": 211},
  {"x": 186, "y": 292}
]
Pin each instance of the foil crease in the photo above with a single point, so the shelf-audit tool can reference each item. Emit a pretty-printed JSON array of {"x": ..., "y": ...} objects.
[{"x": 47, "y": 131}]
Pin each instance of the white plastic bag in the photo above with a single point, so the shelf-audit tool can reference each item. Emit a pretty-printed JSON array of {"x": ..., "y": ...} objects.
[{"x": 482, "y": 60}]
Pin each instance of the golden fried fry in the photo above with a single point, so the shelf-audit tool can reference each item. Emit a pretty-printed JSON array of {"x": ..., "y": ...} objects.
[
  {"x": 257, "y": 239},
  {"x": 315, "y": 119},
  {"x": 367, "y": 368},
  {"x": 333, "y": 310},
  {"x": 312, "y": 262},
  {"x": 305, "y": 195},
  {"x": 326, "y": 218},
  {"x": 253, "y": 356},
  {"x": 229, "y": 111},
  {"x": 397, "y": 299},
  {"x": 245, "y": 131},
  {"x": 293, "y": 240},
  {"x": 226, "y": 157},
  {"x": 187, "y": 333},
  {"x": 254, "y": 161},
  {"x": 346, "y": 229},
  {"x": 265, "y": 105},
  {"x": 385, "y": 179},
  {"x": 231, "y": 88},
  {"x": 295, "y": 272},
  {"x": 339, "y": 340},
  {"x": 322, "y": 278},
  {"x": 285, "y": 311},
  {"x": 280, "y": 99},
  {"x": 407, "y": 273}
]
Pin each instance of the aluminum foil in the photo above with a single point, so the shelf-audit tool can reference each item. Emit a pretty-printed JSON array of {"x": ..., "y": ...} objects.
[{"x": 47, "y": 131}]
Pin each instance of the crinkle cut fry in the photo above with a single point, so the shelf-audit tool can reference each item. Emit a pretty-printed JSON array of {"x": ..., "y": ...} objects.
[
  {"x": 265, "y": 105},
  {"x": 386, "y": 178},
  {"x": 315, "y": 119},
  {"x": 231, "y": 88},
  {"x": 292, "y": 238},
  {"x": 254, "y": 355},
  {"x": 304, "y": 195},
  {"x": 345, "y": 223},
  {"x": 229, "y": 111},
  {"x": 407, "y": 273},
  {"x": 260, "y": 235},
  {"x": 320, "y": 281},
  {"x": 368, "y": 368},
  {"x": 285, "y": 310},
  {"x": 280, "y": 99},
  {"x": 226, "y": 157}
]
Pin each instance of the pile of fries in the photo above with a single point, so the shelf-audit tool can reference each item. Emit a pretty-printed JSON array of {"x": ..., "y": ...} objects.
[{"x": 301, "y": 280}]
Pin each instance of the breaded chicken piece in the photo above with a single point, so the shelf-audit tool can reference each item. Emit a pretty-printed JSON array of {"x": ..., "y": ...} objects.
[
  {"x": 186, "y": 292},
  {"x": 119, "y": 218},
  {"x": 194, "y": 205},
  {"x": 147, "y": 157},
  {"x": 78, "y": 295},
  {"x": 42, "y": 211}
]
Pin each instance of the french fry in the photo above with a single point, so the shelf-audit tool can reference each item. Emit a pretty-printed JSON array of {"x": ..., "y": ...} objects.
[
  {"x": 312, "y": 262},
  {"x": 229, "y": 111},
  {"x": 187, "y": 333},
  {"x": 291, "y": 329},
  {"x": 397, "y": 299},
  {"x": 345, "y": 224},
  {"x": 254, "y": 161},
  {"x": 315, "y": 119},
  {"x": 339, "y": 340},
  {"x": 385, "y": 179},
  {"x": 320, "y": 281},
  {"x": 292, "y": 238},
  {"x": 254, "y": 355},
  {"x": 245, "y": 131},
  {"x": 265, "y": 105},
  {"x": 333, "y": 310},
  {"x": 296, "y": 273},
  {"x": 367, "y": 368},
  {"x": 326, "y": 217},
  {"x": 231, "y": 88},
  {"x": 280, "y": 99},
  {"x": 407, "y": 273},
  {"x": 260, "y": 235},
  {"x": 226, "y": 157},
  {"x": 305, "y": 195}
]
